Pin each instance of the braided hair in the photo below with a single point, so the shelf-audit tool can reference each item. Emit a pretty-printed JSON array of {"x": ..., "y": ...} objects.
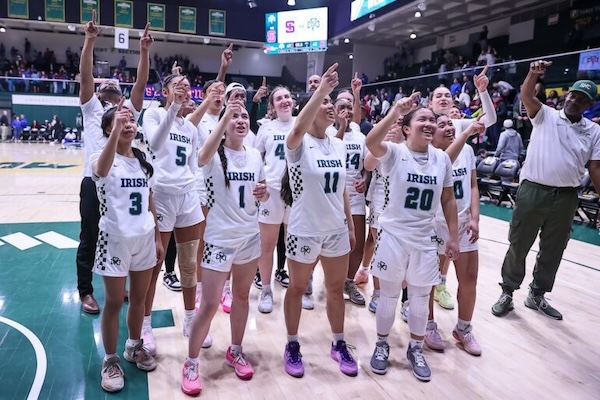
[{"x": 221, "y": 152}]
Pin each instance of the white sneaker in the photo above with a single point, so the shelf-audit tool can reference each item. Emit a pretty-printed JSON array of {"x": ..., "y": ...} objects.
[
  {"x": 148, "y": 338},
  {"x": 226, "y": 299},
  {"x": 187, "y": 325},
  {"x": 265, "y": 303},
  {"x": 307, "y": 303},
  {"x": 207, "y": 342},
  {"x": 112, "y": 375}
]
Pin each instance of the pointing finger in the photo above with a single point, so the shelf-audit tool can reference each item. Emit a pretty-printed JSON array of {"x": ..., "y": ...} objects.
[
  {"x": 120, "y": 105},
  {"x": 230, "y": 46},
  {"x": 94, "y": 16},
  {"x": 415, "y": 95},
  {"x": 331, "y": 69},
  {"x": 264, "y": 81},
  {"x": 356, "y": 75},
  {"x": 484, "y": 71},
  {"x": 146, "y": 29}
]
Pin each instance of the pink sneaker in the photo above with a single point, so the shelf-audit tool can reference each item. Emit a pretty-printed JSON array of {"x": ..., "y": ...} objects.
[
  {"x": 467, "y": 341},
  {"x": 433, "y": 338},
  {"x": 226, "y": 299},
  {"x": 243, "y": 368},
  {"x": 361, "y": 277},
  {"x": 190, "y": 381}
]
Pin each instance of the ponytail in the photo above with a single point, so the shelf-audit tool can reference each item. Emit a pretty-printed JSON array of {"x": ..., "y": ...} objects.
[
  {"x": 146, "y": 166},
  {"x": 221, "y": 152},
  {"x": 286, "y": 189}
]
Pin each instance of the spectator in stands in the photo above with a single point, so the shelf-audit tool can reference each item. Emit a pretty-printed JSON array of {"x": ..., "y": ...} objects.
[
  {"x": 57, "y": 129},
  {"x": 593, "y": 113},
  {"x": 483, "y": 38},
  {"x": 17, "y": 129},
  {"x": 510, "y": 144},
  {"x": 511, "y": 70},
  {"x": 455, "y": 88},
  {"x": 552, "y": 100},
  {"x": 385, "y": 104},
  {"x": 455, "y": 113},
  {"x": 540, "y": 93},
  {"x": 24, "y": 123},
  {"x": 374, "y": 105},
  {"x": 468, "y": 84},
  {"x": 123, "y": 63},
  {"x": 399, "y": 95},
  {"x": 313, "y": 82},
  {"x": 465, "y": 97},
  {"x": 523, "y": 124},
  {"x": 4, "y": 125},
  {"x": 365, "y": 126},
  {"x": 547, "y": 199}
]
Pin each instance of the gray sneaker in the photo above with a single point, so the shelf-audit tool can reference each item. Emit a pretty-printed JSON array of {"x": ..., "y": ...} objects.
[
  {"x": 352, "y": 291},
  {"x": 539, "y": 303},
  {"x": 379, "y": 359},
  {"x": 416, "y": 358},
  {"x": 374, "y": 301},
  {"x": 138, "y": 355},
  {"x": 504, "y": 305}
]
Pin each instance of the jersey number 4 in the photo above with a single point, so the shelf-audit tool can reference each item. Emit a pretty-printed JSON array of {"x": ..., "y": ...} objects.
[
  {"x": 280, "y": 151},
  {"x": 354, "y": 161},
  {"x": 136, "y": 203},
  {"x": 417, "y": 199}
]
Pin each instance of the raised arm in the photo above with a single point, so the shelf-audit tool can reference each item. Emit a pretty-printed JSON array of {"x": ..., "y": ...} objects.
[
  {"x": 375, "y": 138},
  {"x": 356, "y": 86},
  {"x": 489, "y": 110},
  {"x": 199, "y": 112},
  {"x": 102, "y": 166},
  {"x": 475, "y": 128},
  {"x": 329, "y": 81},
  {"x": 211, "y": 145},
  {"x": 262, "y": 91},
  {"x": 86, "y": 61},
  {"x": 143, "y": 69},
  {"x": 342, "y": 123},
  {"x": 531, "y": 103},
  {"x": 157, "y": 128},
  {"x": 226, "y": 60}
]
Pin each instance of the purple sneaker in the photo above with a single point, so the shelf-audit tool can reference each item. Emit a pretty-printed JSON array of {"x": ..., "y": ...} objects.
[
  {"x": 292, "y": 360},
  {"x": 340, "y": 353}
]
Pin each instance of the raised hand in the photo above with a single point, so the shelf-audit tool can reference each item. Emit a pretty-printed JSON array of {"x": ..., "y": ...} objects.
[
  {"x": 329, "y": 80},
  {"x": 180, "y": 92},
  {"x": 176, "y": 70},
  {"x": 262, "y": 91},
  {"x": 539, "y": 67},
  {"x": 406, "y": 104},
  {"x": 477, "y": 127},
  {"x": 356, "y": 84},
  {"x": 481, "y": 80},
  {"x": 91, "y": 29},
  {"x": 227, "y": 56},
  {"x": 342, "y": 119},
  {"x": 121, "y": 117},
  {"x": 234, "y": 107},
  {"x": 146, "y": 40}
]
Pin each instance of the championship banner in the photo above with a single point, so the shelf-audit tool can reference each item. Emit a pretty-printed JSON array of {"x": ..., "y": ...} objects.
[
  {"x": 156, "y": 16},
  {"x": 85, "y": 11},
  {"x": 55, "y": 10},
  {"x": 124, "y": 13},
  {"x": 18, "y": 9},
  {"x": 187, "y": 19}
]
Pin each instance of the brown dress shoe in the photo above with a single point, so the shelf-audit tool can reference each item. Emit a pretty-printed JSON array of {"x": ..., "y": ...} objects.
[{"x": 89, "y": 304}]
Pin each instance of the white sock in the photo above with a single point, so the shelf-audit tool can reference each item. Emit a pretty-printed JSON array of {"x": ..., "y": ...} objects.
[
  {"x": 463, "y": 325},
  {"x": 227, "y": 284},
  {"x": 107, "y": 356},
  {"x": 337, "y": 337},
  {"x": 416, "y": 343},
  {"x": 266, "y": 288},
  {"x": 199, "y": 289},
  {"x": 132, "y": 342},
  {"x": 189, "y": 314},
  {"x": 191, "y": 360},
  {"x": 292, "y": 338},
  {"x": 430, "y": 324},
  {"x": 382, "y": 338},
  {"x": 236, "y": 348},
  {"x": 147, "y": 321}
]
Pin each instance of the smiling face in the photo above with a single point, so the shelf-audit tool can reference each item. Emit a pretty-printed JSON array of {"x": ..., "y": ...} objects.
[
  {"x": 326, "y": 114},
  {"x": 576, "y": 103},
  {"x": 419, "y": 126},
  {"x": 441, "y": 101},
  {"x": 444, "y": 133},
  {"x": 282, "y": 103}
]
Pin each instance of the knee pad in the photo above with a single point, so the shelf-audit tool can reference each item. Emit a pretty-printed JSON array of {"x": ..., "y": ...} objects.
[
  {"x": 418, "y": 309},
  {"x": 187, "y": 254}
]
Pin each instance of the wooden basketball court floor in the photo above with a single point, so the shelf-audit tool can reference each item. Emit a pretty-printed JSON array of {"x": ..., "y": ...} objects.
[{"x": 49, "y": 349}]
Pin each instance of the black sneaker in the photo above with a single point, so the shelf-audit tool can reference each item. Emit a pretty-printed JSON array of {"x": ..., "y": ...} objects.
[
  {"x": 539, "y": 303},
  {"x": 416, "y": 358},
  {"x": 171, "y": 282},
  {"x": 257, "y": 281},
  {"x": 282, "y": 277},
  {"x": 503, "y": 306}
]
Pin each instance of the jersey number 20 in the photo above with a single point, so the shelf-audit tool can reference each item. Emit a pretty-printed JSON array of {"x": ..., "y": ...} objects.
[{"x": 416, "y": 198}]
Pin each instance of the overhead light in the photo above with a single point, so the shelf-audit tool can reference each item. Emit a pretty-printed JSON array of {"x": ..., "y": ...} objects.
[
  {"x": 413, "y": 35},
  {"x": 418, "y": 14},
  {"x": 206, "y": 40},
  {"x": 422, "y": 6},
  {"x": 346, "y": 40},
  {"x": 336, "y": 42},
  {"x": 350, "y": 56},
  {"x": 252, "y": 4},
  {"x": 291, "y": 3},
  {"x": 371, "y": 27},
  {"x": 2, "y": 29}
]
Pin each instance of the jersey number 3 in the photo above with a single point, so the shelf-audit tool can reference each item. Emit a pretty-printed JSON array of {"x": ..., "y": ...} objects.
[
  {"x": 417, "y": 199},
  {"x": 136, "y": 203}
]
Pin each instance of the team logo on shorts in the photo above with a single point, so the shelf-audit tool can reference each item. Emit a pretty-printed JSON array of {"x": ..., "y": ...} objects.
[
  {"x": 439, "y": 240},
  {"x": 382, "y": 266},
  {"x": 305, "y": 250},
  {"x": 115, "y": 261},
  {"x": 159, "y": 217},
  {"x": 265, "y": 212},
  {"x": 220, "y": 256}
]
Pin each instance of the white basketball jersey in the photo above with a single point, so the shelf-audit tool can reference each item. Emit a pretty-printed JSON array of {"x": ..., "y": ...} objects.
[
  {"x": 270, "y": 142},
  {"x": 317, "y": 172},
  {"x": 415, "y": 191},
  {"x": 462, "y": 171},
  {"x": 124, "y": 196},
  {"x": 176, "y": 160},
  {"x": 355, "y": 157},
  {"x": 205, "y": 127},
  {"x": 233, "y": 216}
]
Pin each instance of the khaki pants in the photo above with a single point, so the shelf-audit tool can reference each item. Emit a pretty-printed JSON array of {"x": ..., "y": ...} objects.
[
  {"x": 4, "y": 131},
  {"x": 548, "y": 211}
]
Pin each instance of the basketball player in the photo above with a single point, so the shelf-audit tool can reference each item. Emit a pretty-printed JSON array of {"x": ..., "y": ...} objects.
[
  {"x": 419, "y": 177},
  {"x": 129, "y": 241},
  {"x": 320, "y": 223},
  {"x": 235, "y": 180}
]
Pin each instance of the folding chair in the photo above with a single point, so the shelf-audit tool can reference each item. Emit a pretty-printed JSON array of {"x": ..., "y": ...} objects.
[
  {"x": 508, "y": 172},
  {"x": 486, "y": 181}
]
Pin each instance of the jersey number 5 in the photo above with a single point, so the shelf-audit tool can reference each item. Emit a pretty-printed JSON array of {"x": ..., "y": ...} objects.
[
  {"x": 181, "y": 156},
  {"x": 416, "y": 198},
  {"x": 136, "y": 203}
]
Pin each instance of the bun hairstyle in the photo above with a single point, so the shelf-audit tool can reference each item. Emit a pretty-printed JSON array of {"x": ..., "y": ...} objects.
[{"x": 106, "y": 124}]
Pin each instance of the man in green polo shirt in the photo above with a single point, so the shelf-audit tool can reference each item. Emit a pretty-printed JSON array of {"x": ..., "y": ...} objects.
[{"x": 562, "y": 143}]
